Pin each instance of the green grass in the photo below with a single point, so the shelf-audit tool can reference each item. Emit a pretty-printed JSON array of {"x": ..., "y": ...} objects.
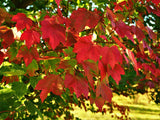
[{"x": 141, "y": 108}]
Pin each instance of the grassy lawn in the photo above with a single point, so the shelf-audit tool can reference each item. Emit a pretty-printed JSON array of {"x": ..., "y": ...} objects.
[{"x": 140, "y": 109}]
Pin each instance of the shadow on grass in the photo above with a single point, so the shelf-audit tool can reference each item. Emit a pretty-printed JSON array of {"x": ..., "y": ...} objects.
[{"x": 144, "y": 110}]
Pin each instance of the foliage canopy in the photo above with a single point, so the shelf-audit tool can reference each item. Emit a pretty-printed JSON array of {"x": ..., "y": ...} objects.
[{"x": 54, "y": 54}]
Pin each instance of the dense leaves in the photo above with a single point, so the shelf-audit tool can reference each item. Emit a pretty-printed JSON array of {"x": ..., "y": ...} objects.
[
  {"x": 58, "y": 53},
  {"x": 51, "y": 83}
]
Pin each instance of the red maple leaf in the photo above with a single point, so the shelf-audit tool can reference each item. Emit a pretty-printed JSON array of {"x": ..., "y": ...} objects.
[
  {"x": 9, "y": 79},
  {"x": 138, "y": 32},
  {"x": 72, "y": 38},
  {"x": 99, "y": 101},
  {"x": 82, "y": 17},
  {"x": 51, "y": 83},
  {"x": 77, "y": 85},
  {"x": 116, "y": 73},
  {"x": 132, "y": 58},
  {"x": 111, "y": 56},
  {"x": 90, "y": 68},
  {"x": 31, "y": 37},
  {"x": 55, "y": 32},
  {"x": 119, "y": 42},
  {"x": 119, "y": 6},
  {"x": 123, "y": 30},
  {"x": 22, "y": 21},
  {"x": 103, "y": 90},
  {"x": 1, "y": 57},
  {"x": 28, "y": 54},
  {"x": 7, "y": 36},
  {"x": 152, "y": 35},
  {"x": 85, "y": 49}
]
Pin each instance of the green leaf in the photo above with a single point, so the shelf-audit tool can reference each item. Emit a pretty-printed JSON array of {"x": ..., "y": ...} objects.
[
  {"x": 75, "y": 98},
  {"x": 13, "y": 52},
  {"x": 6, "y": 98},
  {"x": 32, "y": 67},
  {"x": 11, "y": 70},
  {"x": 34, "y": 80},
  {"x": 19, "y": 88},
  {"x": 32, "y": 108},
  {"x": 6, "y": 93},
  {"x": 69, "y": 51}
]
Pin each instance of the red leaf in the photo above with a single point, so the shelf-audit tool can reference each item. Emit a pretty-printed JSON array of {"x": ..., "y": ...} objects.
[
  {"x": 118, "y": 42},
  {"x": 116, "y": 73},
  {"x": 51, "y": 83},
  {"x": 89, "y": 69},
  {"x": 1, "y": 57},
  {"x": 138, "y": 32},
  {"x": 119, "y": 6},
  {"x": 152, "y": 35},
  {"x": 28, "y": 55},
  {"x": 79, "y": 85},
  {"x": 71, "y": 38},
  {"x": 55, "y": 32},
  {"x": 103, "y": 69},
  {"x": 123, "y": 30},
  {"x": 22, "y": 21},
  {"x": 154, "y": 1},
  {"x": 99, "y": 101},
  {"x": 131, "y": 56},
  {"x": 111, "y": 56},
  {"x": 31, "y": 37},
  {"x": 58, "y": 2},
  {"x": 85, "y": 49},
  {"x": 111, "y": 16},
  {"x": 82, "y": 17},
  {"x": 9, "y": 79},
  {"x": 103, "y": 90},
  {"x": 7, "y": 35}
]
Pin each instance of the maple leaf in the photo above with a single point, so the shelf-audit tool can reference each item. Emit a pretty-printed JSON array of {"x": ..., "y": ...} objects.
[
  {"x": 116, "y": 73},
  {"x": 31, "y": 37},
  {"x": 1, "y": 57},
  {"x": 7, "y": 35},
  {"x": 138, "y": 32},
  {"x": 123, "y": 30},
  {"x": 77, "y": 84},
  {"x": 111, "y": 56},
  {"x": 55, "y": 32},
  {"x": 89, "y": 69},
  {"x": 51, "y": 83},
  {"x": 111, "y": 16},
  {"x": 9, "y": 79},
  {"x": 131, "y": 56},
  {"x": 99, "y": 101},
  {"x": 103, "y": 90},
  {"x": 103, "y": 69},
  {"x": 4, "y": 16},
  {"x": 82, "y": 17},
  {"x": 32, "y": 67},
  {"x": 71, "y": 38},
  {"x": 118, "y": 42},
  {"x": 152, "y": 35},
  {"x": 119, "y": 6},
  {"x": 28, "y": 54},
  {"x": 85, "y": 49},
  {"x": 22, "y": 21}
]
